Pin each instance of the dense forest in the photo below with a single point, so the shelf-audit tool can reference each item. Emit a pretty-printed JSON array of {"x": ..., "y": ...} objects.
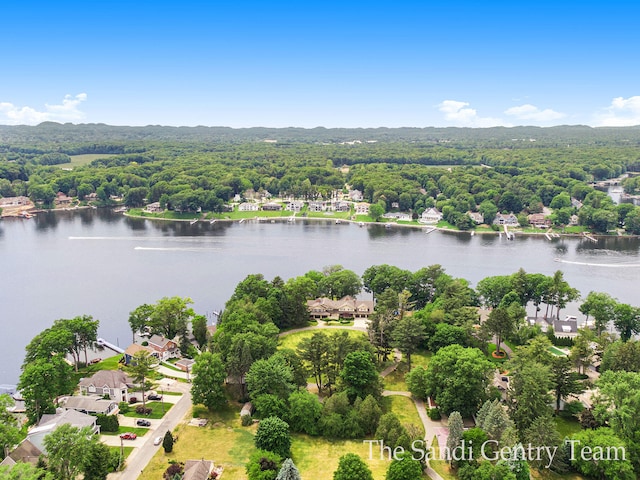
[{"x": 520, "y": 170}]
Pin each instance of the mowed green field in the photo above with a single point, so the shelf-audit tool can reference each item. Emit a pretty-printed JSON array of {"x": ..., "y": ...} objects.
[{"x": 78, "y": 160}]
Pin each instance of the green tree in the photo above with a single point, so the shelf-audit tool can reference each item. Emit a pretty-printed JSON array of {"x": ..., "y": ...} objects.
[
  {"x": 24, "y": 471},
  {"x": 340, "y": 282},
  {"x": 68, "y": 450},
  {"x": 209, "y": 376},
  {"x": 458, "y": 379},
  {"x": 41, "y": 382},
  {"x": 263, "y": 465},
  {"x": 376, "y": 211},
  {"x": 360, "y": 376},
  {"x": 565, "y": 381},
  {"x": 626, "y": 320},
  {"x": 404, "y": 467},
  {"x": 99, "y": 462},
  {"x": 584, "y": 456},
  {"x": 543, "y": 432},
  {"x": 273, "y": 435},
  {"x": 369, "y": 413},
  {"x": 288, "y": 471},
  {"x": 456, "y": 429},
  {"x": 304, "y": 412},
  {"x": 171, "y": 316},
  {"x": 270, "y": 376},
  {"x": 313, "y": 351},
  {"x": 528, "y": 394},
  {"x": 199, "y": 329},
  {"x": 407, "y": 336},
  {"x": 140, "y": 368},
  {"x": 416, "y": 380},
  {"x": 582, "y": 353},
  {"x": 167, "y": 442},
  {"x": 350, "y": 467},
  {"x": 601, "y": 307},
  {"x": 139, "y": 319},
  {"x": 9, "y": 432},
  {"x": 621, "y": 356},
  {"x": 632, "y": 221}
]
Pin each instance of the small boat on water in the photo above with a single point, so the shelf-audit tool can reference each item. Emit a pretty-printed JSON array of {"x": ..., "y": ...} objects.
[
  {"x": 338, "y": 221},
  {"x": 361, "y": 224},
  {"x": 387, "y": 225}
]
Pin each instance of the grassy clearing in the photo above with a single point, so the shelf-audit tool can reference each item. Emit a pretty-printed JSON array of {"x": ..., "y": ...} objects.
[
  {"x": 497, "y": 361},
  {"x": 292, "y": 340},
  {"x": 78, "y": 160},
  {"x": 557, "y": 352},
  {"x": 567, "y": 426},
  {"x": 441, "y": 466},
  {"x": 156, "y": 412},
  {"x": 406, "y": 411}
]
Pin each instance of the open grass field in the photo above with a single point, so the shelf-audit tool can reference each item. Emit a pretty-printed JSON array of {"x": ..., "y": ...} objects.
[
  {"x": 139, "y": 431},
  {"x": 292, "y": 340},
  {"x": 230, "y": 445},
  {"x": 405, "y": 410},
  {"x": 567, "y": 426},
  {"x": 156, "y": 413},
  {"x": 78, "y": 160}
]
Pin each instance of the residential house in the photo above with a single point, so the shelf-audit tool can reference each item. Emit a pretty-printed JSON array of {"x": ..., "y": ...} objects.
[
  {"x": 135, "y": 348},
  {"x": 539, "y": 220},
  {"x": 477, "y": 217},
  {"x": 91, "y": 405},
  {"x": 294, "y": 205},
  {"x": 112, "y": 383},
  {"x": 340, "y": 206},
  {"x": 14, "y": 201},
  {"x": 185, "y": 364},
  {"x": 356, "y": 195},
  {"x": 49, "y": 422},
  {"x": 316, "y": 206},
  {"x": 345, "y": 307},
  {"x": 575, "y": 203},
  {"x": 362, "y": 208},
  {"x": 509, "y": 219},
  {"x": 272, "y": 207},
  {"x": 25, "y": 452},
  {"x": 430, "y": 216},
  {"x": 154, "y": 208},
  {"x": 92, "y": 197},
  {"x": 405, "y": 217},
  {"x": 575, "y": 220},
  {"x": 395, "y": 205},
  {"x": 62, "y": 199},
  {"x": 197, "y": 469},
  {"x": 164, "y": 347},
  {"x": 248, "y": 207},
  {"x": 565, "y": 328}
]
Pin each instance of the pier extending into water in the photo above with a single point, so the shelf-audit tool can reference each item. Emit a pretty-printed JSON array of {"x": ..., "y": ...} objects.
[{"x": 101, "y": 342}]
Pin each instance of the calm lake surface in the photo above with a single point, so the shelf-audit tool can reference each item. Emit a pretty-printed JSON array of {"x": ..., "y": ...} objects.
[{"x": 100, "y": 263}]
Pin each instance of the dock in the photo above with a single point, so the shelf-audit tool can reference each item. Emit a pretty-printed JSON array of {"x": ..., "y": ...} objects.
[
  {"x": 430, "y": 229},
  {"x": 101, "y": 342},
  {"x": 509, "y": 235},
  {"x": 551, "y": 235},
  {"x": 589, "y": 237}
]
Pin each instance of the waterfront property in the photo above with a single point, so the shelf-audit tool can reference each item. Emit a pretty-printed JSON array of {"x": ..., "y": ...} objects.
[
  {"x": 49, "y": 422},
  {"x": 430, "y": 216},
  {"x": 112, "y": 383},
  {"x": 163, "y": 347},
  {"x": 346, "y": 307},
  {"x": 90, "y": 404},
  {"x": 508, "y": 219}
]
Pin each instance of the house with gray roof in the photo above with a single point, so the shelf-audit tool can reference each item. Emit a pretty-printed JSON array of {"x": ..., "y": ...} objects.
[
  {"x": 49, "y": 422},
  {"x": 113, "y": 383},
  {"x": 91, "y": 405}
]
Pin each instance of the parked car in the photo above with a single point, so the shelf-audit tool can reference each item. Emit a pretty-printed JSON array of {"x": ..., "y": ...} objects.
[
  {"x": 128, "y": 436},
  {"x": 154, "y": 396},
  {"x": 157, "y": 441},
  {"x": 143, "y": 423},
  {"x": 94, "y": 361}
]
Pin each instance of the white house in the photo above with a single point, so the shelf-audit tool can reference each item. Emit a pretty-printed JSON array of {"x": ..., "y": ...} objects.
[
  {"x": 431, "y": 215},
  {"x": 362, "y": 208},
  {"x": 248, "y": 207},
  {"x": 113, "y": 383}
]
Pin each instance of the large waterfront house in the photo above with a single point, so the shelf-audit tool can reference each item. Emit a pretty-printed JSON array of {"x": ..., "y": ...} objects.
[
  {"x": 135, "y": 348},
  {"x": 362, "y": 208},
  {"x": 539, "y": 220},
  {"x": 90, "y": 404},
  {"x": 508, "y": 219},
  {"x": 317, "y": 206},
  {"x": 248, "y": 207},
  {"x": 430, "y": 216},
  {"x": 15, "y": 201},
  {"x": 346, "y": 307},
  {"x": 271, "y": 207},
  {"x": 112, "y": 383},
  {"x": 294, "y": 205},
  {"x": 154, "y": 208},
  {"x": 49, "y": 422},
  {"x": 163, "y": 347},
  {"x": 477, "y": 217}
]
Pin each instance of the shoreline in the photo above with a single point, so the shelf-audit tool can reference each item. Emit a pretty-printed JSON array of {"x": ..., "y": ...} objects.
[{"x": 392, "y": 224}]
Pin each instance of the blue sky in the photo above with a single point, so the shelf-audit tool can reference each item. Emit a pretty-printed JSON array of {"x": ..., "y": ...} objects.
[{"x": 331, "y": 64}]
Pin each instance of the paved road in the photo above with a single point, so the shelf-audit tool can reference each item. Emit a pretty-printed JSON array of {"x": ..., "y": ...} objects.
[{"x": 140, "y": 457}]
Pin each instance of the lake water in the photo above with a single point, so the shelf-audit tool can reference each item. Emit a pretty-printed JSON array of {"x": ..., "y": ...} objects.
[{"x": 100, "y": 263}]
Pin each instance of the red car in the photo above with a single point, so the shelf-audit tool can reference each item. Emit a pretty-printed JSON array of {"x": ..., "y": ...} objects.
[{"x": 128, "y": 436}]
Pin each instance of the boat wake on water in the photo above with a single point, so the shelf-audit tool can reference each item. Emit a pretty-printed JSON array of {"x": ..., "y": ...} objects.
[
  {"x": 609, "y": 265},
  {"x": 179, "y": 249}
]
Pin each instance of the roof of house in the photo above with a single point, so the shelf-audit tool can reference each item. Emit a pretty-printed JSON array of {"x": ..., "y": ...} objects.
[
  {"x": 345, "y": 302},
  {"x": 159, "y": 341},
  {"x": 89, "y": 403},
  {"x": 50, "y": 421},
  {"x": 135, "y": 348},
  {"x": 109, "y": 378},
  {"x": 187, "y": 362},
  {"x": 197, "y": 469},
  {"x": 26, "y": 452}
]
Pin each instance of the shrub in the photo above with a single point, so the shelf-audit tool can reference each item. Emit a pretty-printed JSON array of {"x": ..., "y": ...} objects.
[
  {"x": 273, "y": 435},
  {"x": 108, "y": 423},
  {"x": 143, "y": 410},
  {"x": 123, "y": 407},
  {"x": 174, "y": 469},
  {"x": 572, "y": 409},
  {"x": 434, "y": 414},
  {"x": 246, "y": 420}
]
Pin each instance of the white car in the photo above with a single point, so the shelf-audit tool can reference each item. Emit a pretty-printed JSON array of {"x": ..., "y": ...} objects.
[{"x": 157, "y": 441}]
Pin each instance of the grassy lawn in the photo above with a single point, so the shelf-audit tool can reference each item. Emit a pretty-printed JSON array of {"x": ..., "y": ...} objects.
[
  {"x": 395, "y": 380},
  {"x": 567, "y": 426},
  {"x": 111, "y": 363},
  {"x": 175, "y": 394},
  {"x": 156, "y": 410},
  {"x": 329, "y": 215},
  {"x": 292, "y": 340},
  {"x": 77, "y": 160},
  {"x": 126, "y": 450},
  {"x": 557, "y": 352},
  {"x": 497, "y": 361},
  {"x": 406, "y": 411},
  {"x": 441, "y": 466},
  {"x": 137, "y": 430}
]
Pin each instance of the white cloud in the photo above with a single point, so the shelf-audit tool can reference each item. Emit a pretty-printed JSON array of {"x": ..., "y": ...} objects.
[
  {"x": 67, "y": 111},
  {"x": 531, "y": 112},
  {"x": 623, "y": 112},
  {"x": 461, "y": 115}
]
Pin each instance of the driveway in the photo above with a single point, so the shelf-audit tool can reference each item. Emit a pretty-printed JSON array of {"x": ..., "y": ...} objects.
[{"x": 141, "y": 456}]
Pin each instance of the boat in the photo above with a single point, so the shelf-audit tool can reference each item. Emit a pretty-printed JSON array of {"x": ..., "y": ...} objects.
[
  {"x": 361, "y": 224},
  {"x": 338, "y": 221},
  {"x": 387, "y": 225}
]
